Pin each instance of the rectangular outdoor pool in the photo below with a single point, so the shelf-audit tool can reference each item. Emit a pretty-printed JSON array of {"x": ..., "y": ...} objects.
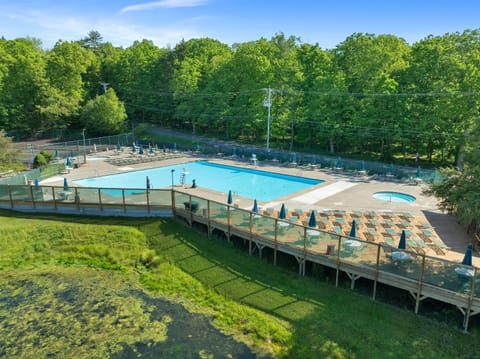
[{"x": 245, "y": 182}]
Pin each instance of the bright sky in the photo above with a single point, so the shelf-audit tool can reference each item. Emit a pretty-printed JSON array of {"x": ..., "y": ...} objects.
[{"x": 166, "y": 22}]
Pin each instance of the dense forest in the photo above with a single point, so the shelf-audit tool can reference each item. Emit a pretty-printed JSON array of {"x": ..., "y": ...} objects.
[{"x": 370, "y": 94}]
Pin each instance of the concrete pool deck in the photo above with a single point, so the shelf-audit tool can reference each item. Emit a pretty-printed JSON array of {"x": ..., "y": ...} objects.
[{"x": 343, "y": 191}]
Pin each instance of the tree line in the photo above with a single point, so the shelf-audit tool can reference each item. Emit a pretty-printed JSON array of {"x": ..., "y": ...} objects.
[{"x": 371, "y": 94}]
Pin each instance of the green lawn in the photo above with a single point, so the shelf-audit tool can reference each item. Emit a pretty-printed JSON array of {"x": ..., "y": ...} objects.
[{"x": 273, "y": 310}]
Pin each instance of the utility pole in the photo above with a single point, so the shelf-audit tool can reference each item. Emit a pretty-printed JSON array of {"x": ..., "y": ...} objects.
[
  {"x": 84, "y": 149},
  {"x": 268, "y": 104},
  {"x": 104, "y": 85}
]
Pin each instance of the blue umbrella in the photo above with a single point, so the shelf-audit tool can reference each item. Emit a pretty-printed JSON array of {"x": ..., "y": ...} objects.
[
  {"x": 312, "y": 222},
  {"x": 72, "y": 153},
  {"x": 403, "y": 240},
  {"x": 36, "y": 182},
  {"x": 68, "y": 162},
  {"x": 362, "y": 166},
  {"x": 152, "y": 150},
  {"x": 57, "y": 155},
  {"x": 419, "y": 172},
  {"x": 353, "y": 231},
  {"x": 140, "y": 152},
  {"x": 65, "y": 185},
  {"x": 230, "y": 199},
  {"x": 283, "y": 212},
  {"x": 467, "y": 260},
  {"x": 255, "y": 206},
  {"x": 119, "y": 148},
  {"x": 134, "y": 148},
  {"x": 234, "y": 151}
]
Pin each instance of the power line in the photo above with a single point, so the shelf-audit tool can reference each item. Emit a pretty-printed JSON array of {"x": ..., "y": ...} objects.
[{"x": 318, "y": 93}]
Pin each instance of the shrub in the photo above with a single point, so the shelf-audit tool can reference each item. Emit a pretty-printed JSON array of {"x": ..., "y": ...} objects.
[{"x": 39, "y": 161}]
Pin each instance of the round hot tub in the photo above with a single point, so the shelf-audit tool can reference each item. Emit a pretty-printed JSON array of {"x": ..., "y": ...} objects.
[{"x": 394, "y": 197}]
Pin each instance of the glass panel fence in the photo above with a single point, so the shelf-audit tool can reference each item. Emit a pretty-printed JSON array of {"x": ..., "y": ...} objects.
[
  {"x": 240, "y": 219},
  {"x": 4, "y": 193},
  {"x": 199, "y": 206},
  {"x": 448, "y": 275},
  {"x": 219, "y": 212},
  {"x": 65, "y": 195},
  {"x": 159, "y": 197},
  {"x": 21, "y": 193},
  {"x": 135, "y": 196},
  {"x": 400, "y": 262},
  {"x": 87, "y": 195},
  {"x": 111, "y": 196},
  {"x": 321, "y": 242},
  {"x": 362, "y": 254},
  {"x": 182, "y": 201},
  {"x": 265, "y": 227},
  {"x": 291, "y": 234}
]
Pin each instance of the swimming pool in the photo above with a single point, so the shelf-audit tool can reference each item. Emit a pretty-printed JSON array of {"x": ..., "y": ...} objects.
[
  {"x": 244, "y": 182},
  {"x": 394, "y": 197}
]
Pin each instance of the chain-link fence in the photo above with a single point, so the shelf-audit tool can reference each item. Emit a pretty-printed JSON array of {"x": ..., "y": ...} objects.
[{"x": 303, "y": 159}]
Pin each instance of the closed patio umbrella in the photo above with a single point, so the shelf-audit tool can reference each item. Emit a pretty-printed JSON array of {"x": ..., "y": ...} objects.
[
  {"x": 119, "y": 148},
  {"x": 65, "y": 185},
  {"x": 312, "y": 222},
  {"x": 72, "y": 153},
  {"x": 338, "y": 163},
  {"x": 68, "y": 162},
  {"x": 229, "y": 198},
  {"x": 419, "y": 172},
  {"x": 140, "y": 151},
  {"x": 353, "y": 231},
  {"x": 283, "y": 212},
  {"x": 401, "y": 255},
  {"x": 255, "y": 206},
  {"x": 467, "y": 259},
  {"x": 57, "y": 154},
  {"x": 403, "y": 240},
  {"x": 391, "y": 169}
]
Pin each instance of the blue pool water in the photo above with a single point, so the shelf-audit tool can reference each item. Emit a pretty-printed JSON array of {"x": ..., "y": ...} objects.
[
  {"x": 394, "y": 197},
  {"x": 244, "y": 182}
]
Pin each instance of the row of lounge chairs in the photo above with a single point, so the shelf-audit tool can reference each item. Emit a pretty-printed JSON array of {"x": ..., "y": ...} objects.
[{"x": 122, "y": 161}]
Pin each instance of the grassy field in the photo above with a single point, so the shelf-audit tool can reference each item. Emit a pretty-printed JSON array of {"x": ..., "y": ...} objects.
[{"x": 75, "y": 267}]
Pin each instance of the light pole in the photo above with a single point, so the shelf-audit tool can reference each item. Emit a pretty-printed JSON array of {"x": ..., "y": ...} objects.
[
  {"x": 268, "y": 104},
  {"x": 173, "y": 170},
  {"x": 84, "y": 150}
]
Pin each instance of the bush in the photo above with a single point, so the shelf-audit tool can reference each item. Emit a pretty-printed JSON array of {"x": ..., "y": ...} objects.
[
  {"x": 39, "y": 161},
  {"x": 47, "y": 156}
]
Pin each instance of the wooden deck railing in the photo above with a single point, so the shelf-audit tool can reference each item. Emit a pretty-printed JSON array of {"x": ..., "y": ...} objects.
[{"x": 421, "y": 275}]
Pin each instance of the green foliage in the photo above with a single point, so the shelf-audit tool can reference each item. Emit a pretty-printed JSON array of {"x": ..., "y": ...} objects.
[
  {"x": 105, "y": 114},
  {"x": 275, "y": 311},
  {"x": 149, "y": 259},
  {"x": 459, "y": 188},
  {"x": 9, "y": 156},
  {"x": 371, "y": 94},
  {"x": 39, "y": 160}
]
